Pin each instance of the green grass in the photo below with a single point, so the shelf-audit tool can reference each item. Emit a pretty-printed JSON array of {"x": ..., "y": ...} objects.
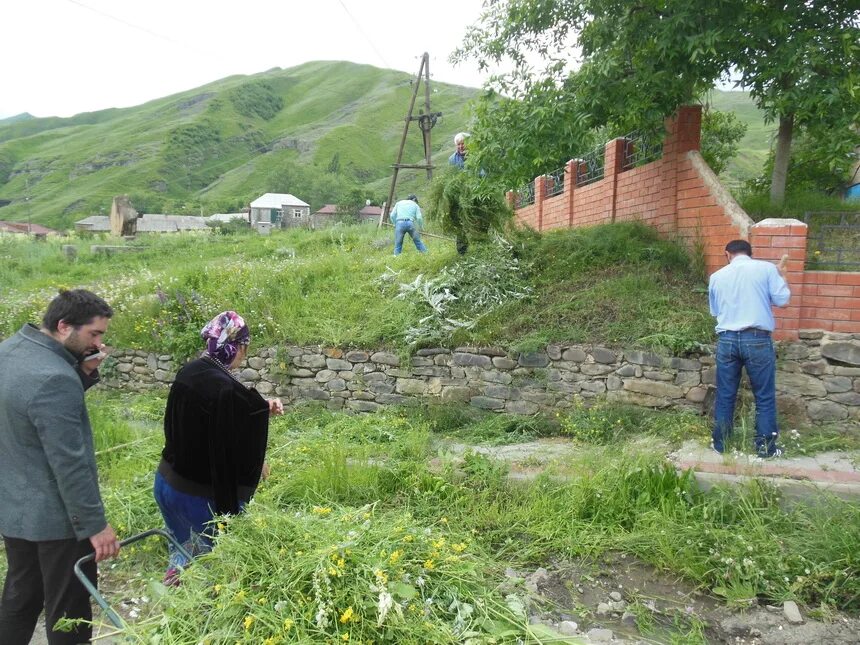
[
  {"x": 353, "y": 511},
  {"x": 617, "y": 285}
]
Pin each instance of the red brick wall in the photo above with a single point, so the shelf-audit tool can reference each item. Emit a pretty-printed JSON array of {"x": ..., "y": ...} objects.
[{"x": 680, "y": 195}]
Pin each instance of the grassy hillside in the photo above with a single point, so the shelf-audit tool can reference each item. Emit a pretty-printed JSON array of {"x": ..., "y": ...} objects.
[
  {"x": 616, "y": 284},
  {"x": 756, "y": 144},
  {"x": 312, "y": 130}
]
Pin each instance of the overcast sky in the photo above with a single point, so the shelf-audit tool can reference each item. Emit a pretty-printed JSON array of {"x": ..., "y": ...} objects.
[{"x": 62, "y": 57}]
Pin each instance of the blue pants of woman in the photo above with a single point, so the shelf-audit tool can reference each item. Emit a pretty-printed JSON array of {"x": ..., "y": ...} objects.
[{"x": 188, "y": 518}]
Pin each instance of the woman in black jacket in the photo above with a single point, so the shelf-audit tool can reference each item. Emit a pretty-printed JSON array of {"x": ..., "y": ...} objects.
[{"x": 215, "y": 432}]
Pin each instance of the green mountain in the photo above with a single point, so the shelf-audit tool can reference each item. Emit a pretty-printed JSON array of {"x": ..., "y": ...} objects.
[{"x": 316, "y": 130}]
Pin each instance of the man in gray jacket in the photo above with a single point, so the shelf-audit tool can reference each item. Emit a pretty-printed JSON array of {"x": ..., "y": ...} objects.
[{"x": 51, "y": 512}]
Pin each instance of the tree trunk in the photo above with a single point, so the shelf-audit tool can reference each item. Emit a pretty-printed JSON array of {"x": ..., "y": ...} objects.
[{"x": 781, "y": 158}]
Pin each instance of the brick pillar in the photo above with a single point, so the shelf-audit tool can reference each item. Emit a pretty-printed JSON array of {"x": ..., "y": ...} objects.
[
  {"x": 511, "y": 199},
  {"x": 770, "y": 240},
  {"x": 613, "y": 161},
  {"x": 540, "y": 195},
  {"x": 571, "y": 174},
  {"x": 683, "y": 130}
]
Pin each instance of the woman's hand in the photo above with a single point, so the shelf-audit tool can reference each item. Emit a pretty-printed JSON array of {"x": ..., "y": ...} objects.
[{"x": 275, "y": 407}]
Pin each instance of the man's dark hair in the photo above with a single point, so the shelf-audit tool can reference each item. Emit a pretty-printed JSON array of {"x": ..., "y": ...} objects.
[
  {"x": 739, "y": 246},
  {"x": 77, "y": 307}
]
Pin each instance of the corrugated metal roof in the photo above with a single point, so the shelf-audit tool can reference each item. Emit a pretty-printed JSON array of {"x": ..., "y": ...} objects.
[
  {"x": 24, "y": 227},
  {"x": 277, "y": 200},
  {"x": 327, "y": 209},
  {"x": 94, "y": 223},
  {"x": 158, "y": 223}
]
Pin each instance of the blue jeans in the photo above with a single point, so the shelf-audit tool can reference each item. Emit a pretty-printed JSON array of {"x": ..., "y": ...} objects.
[
  {"x": 406, "y": 227},
  {"x": 187, "y": 517},
  {"x": 751, "y": 349}
]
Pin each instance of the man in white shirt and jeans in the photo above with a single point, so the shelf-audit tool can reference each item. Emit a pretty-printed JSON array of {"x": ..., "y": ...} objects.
[{"x": 741, "y": 296}]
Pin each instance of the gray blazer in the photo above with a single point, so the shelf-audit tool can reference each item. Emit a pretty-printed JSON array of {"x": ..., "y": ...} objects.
[{"x": 48, "y": 477}]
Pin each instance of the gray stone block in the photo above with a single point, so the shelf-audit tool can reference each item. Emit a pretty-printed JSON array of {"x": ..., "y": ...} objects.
[
  {"x": 338, "y": 364},
  {"x": 492, "y": 376},
  {"x": 431, "y": 351},
  {"x": 554, "y": 352},
  {"x": 499, "y": 392},
  {"x": 310, "y": 361},
  {"x": 533, "y": 359},
  {"x": 845, "y": 352},
  {"x": 476, "y": 360},
  {"x": 628, "y": 371},
  {"x": 336, "y": 385},
  {"x": 613, "y": 382},
  {"x": 521, "y": 407},
  {"x": 686, "y": 364},
  {"x": 380, "y": 387},
  {"x": 654, "y": 388},
  {"x": 395, "y": 399},
  {"x": 314, "y": 393},
  {"x": 596, "y": 369},
  {"x": 800, "y": 384},
  {"x": 837, "y": 383},
  {"x": 504, "y": 363},
  {"x": 357, "y": 356},
  {"x": 456, "y": 394},
  {"x": 603, "y": 355},
  {"x": 487, "y": 403},
  {"x": 411, "y": 386},
  {"x": 492, "y": 351},
  {"x": 385, "y": 358},
  {"x": 825, "y": 411},
  {"x": 363, "y": 406},
  {"x": 655, "y": 375},
  {"x": 644, "y": 358},
  {"x": 574, "y": 354},
  {"x": 846, "y": 398},
  {"x": 324, "y": 376}
]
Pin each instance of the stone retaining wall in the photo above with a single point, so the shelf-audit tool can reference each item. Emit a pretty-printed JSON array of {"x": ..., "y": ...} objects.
[{"x": 818, "y": 378}]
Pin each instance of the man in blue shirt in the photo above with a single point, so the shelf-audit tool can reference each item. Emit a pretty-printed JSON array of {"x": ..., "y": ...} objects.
[
  {"x": 741, "y": 296},
  {"x": 407, "y": 219}
]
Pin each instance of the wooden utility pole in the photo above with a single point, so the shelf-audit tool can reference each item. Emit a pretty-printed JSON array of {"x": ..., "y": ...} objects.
[{"x": 426, "y": 120}]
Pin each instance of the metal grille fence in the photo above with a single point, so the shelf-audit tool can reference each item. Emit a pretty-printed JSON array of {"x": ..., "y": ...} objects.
[
  {"x": 555, "y": 182},
  {"x": 526, "y": 195},
  {"x": 833, "y": 240},
  {"x": 590, "y": 167},
  {"x": 641, "y": 148}
]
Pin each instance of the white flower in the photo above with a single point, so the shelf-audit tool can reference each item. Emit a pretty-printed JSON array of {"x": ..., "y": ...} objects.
[{"x": 385, "y": 604}]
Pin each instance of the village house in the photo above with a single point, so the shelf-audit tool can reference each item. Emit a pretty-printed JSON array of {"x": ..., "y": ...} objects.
[
  {"x": 26, "y": 228},
  {"x": 279, "y": 210}
]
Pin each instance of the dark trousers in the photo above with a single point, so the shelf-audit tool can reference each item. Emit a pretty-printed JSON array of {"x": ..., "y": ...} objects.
[
  {"x": 41, "y": 574},
  {"x": 462, "y": 243}
]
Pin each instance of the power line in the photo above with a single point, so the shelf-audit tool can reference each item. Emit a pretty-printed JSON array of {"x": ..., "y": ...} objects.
[{"x": 364, "y": 35}]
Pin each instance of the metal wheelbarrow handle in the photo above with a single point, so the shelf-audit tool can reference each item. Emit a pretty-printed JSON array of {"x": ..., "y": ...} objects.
[{"x": 109, "y": 612}]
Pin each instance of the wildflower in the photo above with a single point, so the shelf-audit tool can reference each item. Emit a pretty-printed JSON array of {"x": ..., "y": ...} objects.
[
  {"x": 288, "y": 624},
  {"x": 395, "y": 556},
  {"x": 262, "y": 600},
  {"x": 443, "y": 520},
  {"x": 438, "y": 544},
  {"x": 240, "y": 596},
  {"x": 381, "y": 576},
  {"x": 249, "y": 620},
  {"x": 408, "y": 538},
  {"x": 347, "y": 615},
  {"x": 344, "y": 636},
  {"x": 217, "y": 589},
  {"x": 221, "y": 526},
  {"x": 459, "y": 548},
  {"x": 429, "y": 564},
  {"x": 385, "y": 603},
  {"x": 321, "y": 510}
]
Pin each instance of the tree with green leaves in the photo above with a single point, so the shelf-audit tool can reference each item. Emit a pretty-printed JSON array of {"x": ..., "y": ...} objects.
[{"x": 640, "y": 60}]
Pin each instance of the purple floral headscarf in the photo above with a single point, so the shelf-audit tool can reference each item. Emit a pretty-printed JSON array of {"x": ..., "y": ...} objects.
[{"x": 224, "y": 334}]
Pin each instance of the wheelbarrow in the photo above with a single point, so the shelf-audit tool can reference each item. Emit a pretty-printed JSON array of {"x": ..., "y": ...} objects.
[{"x": 115, "y": 618}]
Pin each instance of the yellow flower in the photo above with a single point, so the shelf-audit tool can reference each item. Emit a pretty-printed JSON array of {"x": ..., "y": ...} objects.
[
  {"x": 217, "y": 589},
  {"x": 271, "y": 640},
  {"x": 345, "y": 636},
  {"x": 381, "y": 576},
  {"x": 249, "y": 620},
  {"x": 444, "y": 520},
  {"x": 221, "y": 526},
  {"x": 395, "y": 556},
  {"x": 262, "y": 600},
  {"x": 347, "y": 615},
  {"x": 408, "y": 538},
  {"x": 438, "y": 544},
  {"x": 459, "y": 548},
  {"x": 240, "y": 596},
  {"x": 288, "y": 624},
  {"x": 321, "y": 510},
  {"x": 428, "y": 564}
]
